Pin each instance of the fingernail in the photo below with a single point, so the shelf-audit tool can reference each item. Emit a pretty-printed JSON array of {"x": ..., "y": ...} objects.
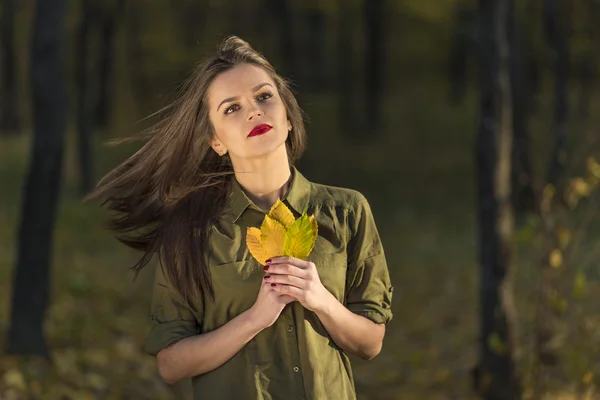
[
  {"x": 266, "y": 267},
  {"x": 268, "y": 261},
  {"x": 267, "y": 276},
  {"x": 272, "y": 285}
]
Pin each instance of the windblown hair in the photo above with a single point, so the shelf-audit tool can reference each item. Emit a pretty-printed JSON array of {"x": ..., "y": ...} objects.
[{"x": 167, "y": 194}]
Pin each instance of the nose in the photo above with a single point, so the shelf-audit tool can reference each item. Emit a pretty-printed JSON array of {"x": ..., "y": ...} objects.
[{"x": 255, "y": 112}]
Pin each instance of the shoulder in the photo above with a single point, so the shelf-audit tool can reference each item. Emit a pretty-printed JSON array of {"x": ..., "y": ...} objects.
[{"x": 338, "y": 197}]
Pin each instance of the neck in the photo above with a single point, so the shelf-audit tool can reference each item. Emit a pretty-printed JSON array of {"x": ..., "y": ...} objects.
[{"x": 265, "y": 179}]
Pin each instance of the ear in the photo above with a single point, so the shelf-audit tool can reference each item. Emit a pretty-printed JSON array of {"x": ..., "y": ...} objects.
[
  {"x": 218, "y": 147},
  {"x": 289, "y": 125}
]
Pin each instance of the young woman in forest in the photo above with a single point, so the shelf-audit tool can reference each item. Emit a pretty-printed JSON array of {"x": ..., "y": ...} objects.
[{"x": 211, "y": 169}]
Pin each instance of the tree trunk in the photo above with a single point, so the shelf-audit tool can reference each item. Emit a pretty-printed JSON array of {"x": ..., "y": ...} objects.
[
  {"x": 349, "y": 119},
  {"x": 546, "y": 343},
  {"x": 85, "y": 103},
  {"x": 523, "y": 193},
  {"x": 31, "y": 284},
  {"x": 9, "y": 115},
  {"x": 135, "y": 51},
  {"x": 556, "y": 35},
  {"x": 316, "y": 50},
  {"x": 108, "y": 32},
  {"x": 283, "y": 11},
  {"x": 458, "y": 55},
  {"x": 530, "y": 55},
  {"x": 495, "y": 376},
  {"x": 375, "y": 43}
]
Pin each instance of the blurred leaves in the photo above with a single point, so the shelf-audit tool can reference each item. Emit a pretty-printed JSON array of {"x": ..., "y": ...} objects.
[
  {"x": 556, "y": 258},
  {"x": 580, "y": 285}
]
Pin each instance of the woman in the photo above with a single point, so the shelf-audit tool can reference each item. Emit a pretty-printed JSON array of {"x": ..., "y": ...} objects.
[{"x": 212, "y": 168}]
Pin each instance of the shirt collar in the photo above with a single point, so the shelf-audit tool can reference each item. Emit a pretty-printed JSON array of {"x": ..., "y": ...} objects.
[{"x": 296, "y": 197}]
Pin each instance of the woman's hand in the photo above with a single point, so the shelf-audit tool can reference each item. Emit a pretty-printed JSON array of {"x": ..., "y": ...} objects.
[
  {"x": 298, "y": 279},
  {"x": 268, "y": 305}
]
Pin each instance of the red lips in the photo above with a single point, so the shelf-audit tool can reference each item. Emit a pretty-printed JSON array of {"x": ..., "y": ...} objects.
[{"x": 259, "y": 130}]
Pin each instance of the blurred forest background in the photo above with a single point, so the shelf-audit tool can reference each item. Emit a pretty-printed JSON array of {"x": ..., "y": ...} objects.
[{"x": 435, "y": 110}]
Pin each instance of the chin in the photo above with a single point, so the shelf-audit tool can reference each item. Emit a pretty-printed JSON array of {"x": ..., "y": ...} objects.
[{"x": 268, "y": 147}]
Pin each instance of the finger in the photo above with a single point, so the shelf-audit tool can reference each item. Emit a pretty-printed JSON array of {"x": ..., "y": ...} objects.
[
  {"x": 293, "y": 291},
  {"x": 286, "y": 269},
  {"x": 291, "y": 280},
  {"x": 289, "y": 260}
]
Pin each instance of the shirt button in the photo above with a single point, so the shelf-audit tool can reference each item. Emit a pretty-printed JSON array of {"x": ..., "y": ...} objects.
[
  {"x": 296, "y": 369},
  {"x": 290, "y": 328}
]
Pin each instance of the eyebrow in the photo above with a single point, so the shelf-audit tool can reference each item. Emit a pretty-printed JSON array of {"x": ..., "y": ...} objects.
[{"x": 254, "y": 89}]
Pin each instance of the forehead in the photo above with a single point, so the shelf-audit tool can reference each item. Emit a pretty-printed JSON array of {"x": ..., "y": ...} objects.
[{"x": 237, "y": 81}]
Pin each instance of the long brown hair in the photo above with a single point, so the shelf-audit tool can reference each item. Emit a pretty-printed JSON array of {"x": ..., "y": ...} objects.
[{"x": 167, "y": 195}]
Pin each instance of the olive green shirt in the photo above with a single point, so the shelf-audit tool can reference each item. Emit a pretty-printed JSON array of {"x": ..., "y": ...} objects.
[{"x": 295, "y": 358}]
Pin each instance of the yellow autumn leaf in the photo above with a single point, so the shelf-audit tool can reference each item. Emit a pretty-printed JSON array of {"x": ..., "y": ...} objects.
[
  {"x": 255, "y": 246},
  {"x": 593, "y": 167},
  {"x": 96, "y": 381},
  {"x": 556, "y": 258},
  {"x": 14, "y": 378},
  {"x": 564, "y": 237},
  {"x": 579, "y": 289},
  {"x": 282, "y": 235},
  {"x": 300, "y": 238},
  {"x": 272, "y": 236},
  {"x": 280, "y": 213}
]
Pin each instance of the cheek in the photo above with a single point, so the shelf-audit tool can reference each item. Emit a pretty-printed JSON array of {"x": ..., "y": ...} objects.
[
  {"x": 225, "y": 129},
  {"x": 277, "y": 110}
]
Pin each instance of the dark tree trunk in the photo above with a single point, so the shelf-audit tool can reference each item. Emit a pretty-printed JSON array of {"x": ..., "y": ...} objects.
[
  {"x": 546, "y": 354},
  {"x": 458, "y": 56},
  {"x": 349, "y": 119},
  {"x": 532, "y": 63},
  {"x": 587, "y": 81},
  {"x": 495, "y": 376},
  {"x": 30, "y": 296},
  {"x": 556, "y": 34},
  {"x": 135, "y": 50},
  {"x": 108, "y": 32},
  {"x": 194, "y": 17},
  {"x": 9, "y": 114},
  {"x": 587, "y": 65},
  {"x": 375, "y": 43},
  {"x": 85, "y": 103},
  {"x": 316, "y": 51},
  {"x": 523, "y": 193},
  {"x": 283, "y": 12}
]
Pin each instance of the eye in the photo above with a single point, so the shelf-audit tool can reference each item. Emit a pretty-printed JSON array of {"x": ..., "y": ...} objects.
[
  {"x": 264, "y": 96},
  {"x": 231, "y": 108}
]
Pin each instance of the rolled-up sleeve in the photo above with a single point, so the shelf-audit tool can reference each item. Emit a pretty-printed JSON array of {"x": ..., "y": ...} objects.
[
  {"x": 172, "y": 319},
  {"x": 368, "y": 285}
]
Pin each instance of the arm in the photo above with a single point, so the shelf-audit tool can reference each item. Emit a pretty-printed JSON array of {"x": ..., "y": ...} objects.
[
  {"x": 175, "y": 339},
  {"x": 199, "y": 354},
  {"x": 353, "y": 333}
]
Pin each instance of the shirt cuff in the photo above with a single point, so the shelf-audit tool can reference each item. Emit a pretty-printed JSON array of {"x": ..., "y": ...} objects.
[
  {"x": 378, "y": 315},
  {"x": 165, "y": 334}
]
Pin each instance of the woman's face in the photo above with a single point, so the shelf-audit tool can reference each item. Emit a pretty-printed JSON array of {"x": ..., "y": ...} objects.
[{"x": 248, "y": 116}]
